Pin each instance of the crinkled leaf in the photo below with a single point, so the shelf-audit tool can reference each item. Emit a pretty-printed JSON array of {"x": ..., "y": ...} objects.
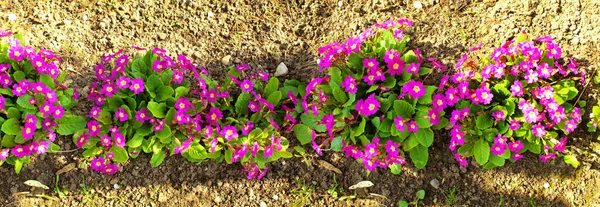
[
  {"x": 303, "y": 133},
  {"x": 481, "y": 151},
  {"x": 70, "y": 124},
  {"x": 163, "y": 93},
  {"x": 157, "y": 158},
  {"x": 157, "y": 110},
  {"x": 403, "y": 108},
  {"x": 425, "y": 136},
  {"x": 419, "y": 156},
  {"x": 121, "y": 154}
]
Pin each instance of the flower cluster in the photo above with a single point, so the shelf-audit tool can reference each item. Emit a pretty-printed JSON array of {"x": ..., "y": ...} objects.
[
  {"x": 34, "y": 103},
  {"x": 513, "y": 101},
  {"x": 373, "y": 105},
  {"x": 147, "y": 104}
]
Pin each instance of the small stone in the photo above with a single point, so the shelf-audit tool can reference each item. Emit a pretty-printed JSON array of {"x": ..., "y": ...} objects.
[
  {"x": 237, "y": 61},
  {"x": 162, "y": 36},
  {"x": 340, "y": 3},
  {"x": 116, "y": 186},
  {"x": 114, "y": 181},
  {"x": 281, "y": 70},
  {"x": 226, "y": 60},
  {"x": 275, "y": 197},
  {"x": 12, "y": 17},
  {"x": 85, "y": 17},
  {"x": 417, "y": 5},
  {"x": 211, "y": 14},
  {"x": 217, "y": 199},
  {"x": 67, "y": 22},
  {"x": 435, "y": 183},
  {"x": 263, "y": 204},
  {"x": 546, "y": 185}
]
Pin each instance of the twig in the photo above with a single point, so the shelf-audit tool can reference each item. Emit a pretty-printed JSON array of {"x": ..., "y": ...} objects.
[{"x": 64, "y": 151}]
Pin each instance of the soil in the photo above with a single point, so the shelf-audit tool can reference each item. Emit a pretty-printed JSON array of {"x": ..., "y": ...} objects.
[{"x": 266, "y": 33}]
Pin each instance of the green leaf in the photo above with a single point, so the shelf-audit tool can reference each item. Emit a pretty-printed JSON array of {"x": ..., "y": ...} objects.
[
  {"x": 481, "y": 151},
  {"x": 425, "y": 137},
  {"x": 70, "y": 124},
  {"x": 571, "y": 160},
  {"x": 121, "y": 154},
  {"x": 157, "y": 158},
  {"x": 274, "y": 97},
  {"x": 11, "y": 126},
  {"x": 336, "y": 75},
  {"x": 48, "y": 81},
  {"x": 497, "y": 161},
  {"x": 114, "y": 103},
  {"x": 521, "y": 37},
  {"x": 336, "y": 144},
  {"x": 163, "y": 93},
  {"x": 423, "y": 122},
  {"x": 402, "y": 203},
  {"x": 13, "y": 112},
  {"x": 303, "y": 133},
  {"x": 92, "y": 152},
  {"x": 165, "y": 134},
  {"x": 18, "y": 166},
  {"x": 420, "y": 194},
  {"x": 170, "y": 115},
  {"x": 19, "y": 75},
  {"x": 389, "y": 82},
  {"x": 395, "y": 168},
  {"x": 157, "y": 110},
  {"x": 181, "y": 91},
  {"x": 484, "y": 122},
  {"x": 360, "y": 128},
  {"x": 339, "y": 94},
  {"x": 426, "y": 99},
  {"x": 403, "y": 109},
  {"x": 241, "y": 105},
  {"x": 105, "y": 117},
  {"x": 272, "y": 86},
  {"x": 153, "y": 83},
  {"x": 135, "y": 141},
  {"x": 8, "y": 141},
  {"x": 419, "y": 156}
]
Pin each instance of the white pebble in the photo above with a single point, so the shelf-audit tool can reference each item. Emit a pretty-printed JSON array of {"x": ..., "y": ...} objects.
[
  {"x": 12, "y": 17},
  {"x": 263, "y": 204},
  {"x": 116, "y": 186},
  {"x": 340, "y": 3},
  {"x": 211, "y": 14},
  {"x": 546, "y": 185},
  {"x": 418, "y": 5},
  {"x": 85, "y": 18}
]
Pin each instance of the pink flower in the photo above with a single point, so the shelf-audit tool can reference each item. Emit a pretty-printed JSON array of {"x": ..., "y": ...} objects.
[
  {"x": 461, "y": 160},
  {"x": 349, "y": 85},
  {"x": 399, "y": 123},
  {"x": 498, "y": 149},
  {"x": 368, "y": 107},
  {"x": 515, "y": 146},
  {"x": 560, "y": 146},
  {"x": 412, "y": 126}
]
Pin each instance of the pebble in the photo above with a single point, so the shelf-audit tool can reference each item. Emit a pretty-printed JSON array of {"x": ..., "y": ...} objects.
[
  {"x": 211, "y": 14},
  {"x": 12, "y": 17},
  {"x": 417, "y": 5},
  {"x": 275, "y": 197},
  {"x": 263, "y": 204},
  {"x": 85, "y": 17},
  {"x": 162, "y": 36},
  {"x": 546, "y": 185},
  {"x": 217, "y": 199},
  {"x": 435, "y": 183},
  {"x": 281, "y": 70},
  {"x": 226, "y": 60},
  {"x": 340, "y": 3}
]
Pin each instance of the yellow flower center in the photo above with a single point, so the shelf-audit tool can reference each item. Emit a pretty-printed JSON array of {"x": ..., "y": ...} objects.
[
  {"x": 136, "y": 86},
  {"x": 371, "y": 106},
  {"x": 94, "y": 128},
  {"x": 484, "y": 95},
  {"x": 46, "y": 108},
  {"x": 159, "y": 66},
  {"x": 372, "y": 151},
  {"x": 396, "y": 66},
  {"x": 98, "y": 164},
  {"x": 371, "y": 64},
  {"x": 39, "y": 64},
  {"x": 213, "y": 117},
  {"x": 416, "y": 89},
  {"x": 17, "y": 53}
]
